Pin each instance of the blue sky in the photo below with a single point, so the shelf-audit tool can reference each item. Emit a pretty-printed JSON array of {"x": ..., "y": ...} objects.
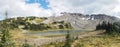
[
  {"x": 1, "y": 18},
  {"x": 44, "y": 4}
]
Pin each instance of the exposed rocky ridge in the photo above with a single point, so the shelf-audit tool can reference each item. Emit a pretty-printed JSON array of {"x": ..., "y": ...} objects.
[{"x": 81, "y": 21}]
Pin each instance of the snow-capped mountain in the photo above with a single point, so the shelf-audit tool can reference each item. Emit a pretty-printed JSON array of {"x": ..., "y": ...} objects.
[{"x": 81, "y": 21}]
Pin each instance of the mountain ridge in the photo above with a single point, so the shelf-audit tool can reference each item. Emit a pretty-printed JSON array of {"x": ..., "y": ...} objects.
[
  {"x": 81, "y": 21},
  {"x": 76, "y": 20}
]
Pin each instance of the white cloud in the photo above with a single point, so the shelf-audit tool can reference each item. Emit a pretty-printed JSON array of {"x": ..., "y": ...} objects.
[
  {"x": 20, "y": 8},
  {"x": 17, "y": 8},
  {"x": 86, "y": 6}
]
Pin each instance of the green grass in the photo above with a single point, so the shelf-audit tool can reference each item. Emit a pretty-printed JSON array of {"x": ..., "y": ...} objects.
[
  {"x": 54, "y": 44},
  {"x": 93, "y": 41},
  {"x": 89, "y": 41},
  {"x": 101, "y": 41}
]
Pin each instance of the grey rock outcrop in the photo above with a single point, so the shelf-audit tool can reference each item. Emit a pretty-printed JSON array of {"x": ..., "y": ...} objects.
[{"x": 80, "y": 21}]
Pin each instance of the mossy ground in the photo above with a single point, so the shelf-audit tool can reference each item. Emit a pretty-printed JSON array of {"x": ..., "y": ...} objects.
[
  {"x": 89, "y": 41},
  {"x": 94, "y": 41},
  {"x": 101, "y": 41}
]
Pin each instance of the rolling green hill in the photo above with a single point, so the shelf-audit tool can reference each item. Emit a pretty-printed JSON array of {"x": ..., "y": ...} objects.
[{"x": 34, "y": 23}]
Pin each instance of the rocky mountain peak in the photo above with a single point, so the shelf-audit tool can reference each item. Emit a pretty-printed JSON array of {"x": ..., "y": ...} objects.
[{"x": 82, "y": 21}]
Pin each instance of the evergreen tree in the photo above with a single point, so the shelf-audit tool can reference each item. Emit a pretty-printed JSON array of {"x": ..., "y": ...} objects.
[
  {"x": 26, "y": 44},
  {"x": 68, "y": 25},
  {"x": 117, "y": 26},
  {"x": 98, "y": 27},
  {"x": 6, "y": 38},
  {"x": 111, "y": 28},
  {"x": 103, "y": 25},
  {"x": 68, "y": 40},
  {"x": 61, "y": 27}
]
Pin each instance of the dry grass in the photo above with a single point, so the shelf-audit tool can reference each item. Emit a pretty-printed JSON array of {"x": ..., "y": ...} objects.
[
  {"x": 102, "y": 41},
  {"x": 87, "y": 41},
  {"x": 20, "y": 38},
  {"x": 96, "y": 41}
]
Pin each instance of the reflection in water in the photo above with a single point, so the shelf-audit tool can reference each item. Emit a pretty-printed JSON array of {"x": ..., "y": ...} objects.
[{"x": 57, "y": 32}]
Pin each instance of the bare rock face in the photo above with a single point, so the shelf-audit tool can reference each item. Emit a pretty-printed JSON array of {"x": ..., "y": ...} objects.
[{"x": 80, "y": 21}]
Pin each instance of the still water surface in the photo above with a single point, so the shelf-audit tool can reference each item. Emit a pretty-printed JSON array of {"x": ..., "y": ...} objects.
[{"x": 56, "y": 32}]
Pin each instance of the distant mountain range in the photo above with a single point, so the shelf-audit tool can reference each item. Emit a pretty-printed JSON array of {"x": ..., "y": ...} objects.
[
  {"x": 81, "y": 21},
  {"x": 65, "y": 21}
]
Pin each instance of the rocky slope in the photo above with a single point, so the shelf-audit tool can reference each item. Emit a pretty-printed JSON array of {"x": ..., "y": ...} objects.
[{"x": 81, "y": 21}]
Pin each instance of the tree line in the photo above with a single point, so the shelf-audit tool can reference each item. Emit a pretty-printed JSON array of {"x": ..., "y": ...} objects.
[{"x": 110, "y": 28}]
